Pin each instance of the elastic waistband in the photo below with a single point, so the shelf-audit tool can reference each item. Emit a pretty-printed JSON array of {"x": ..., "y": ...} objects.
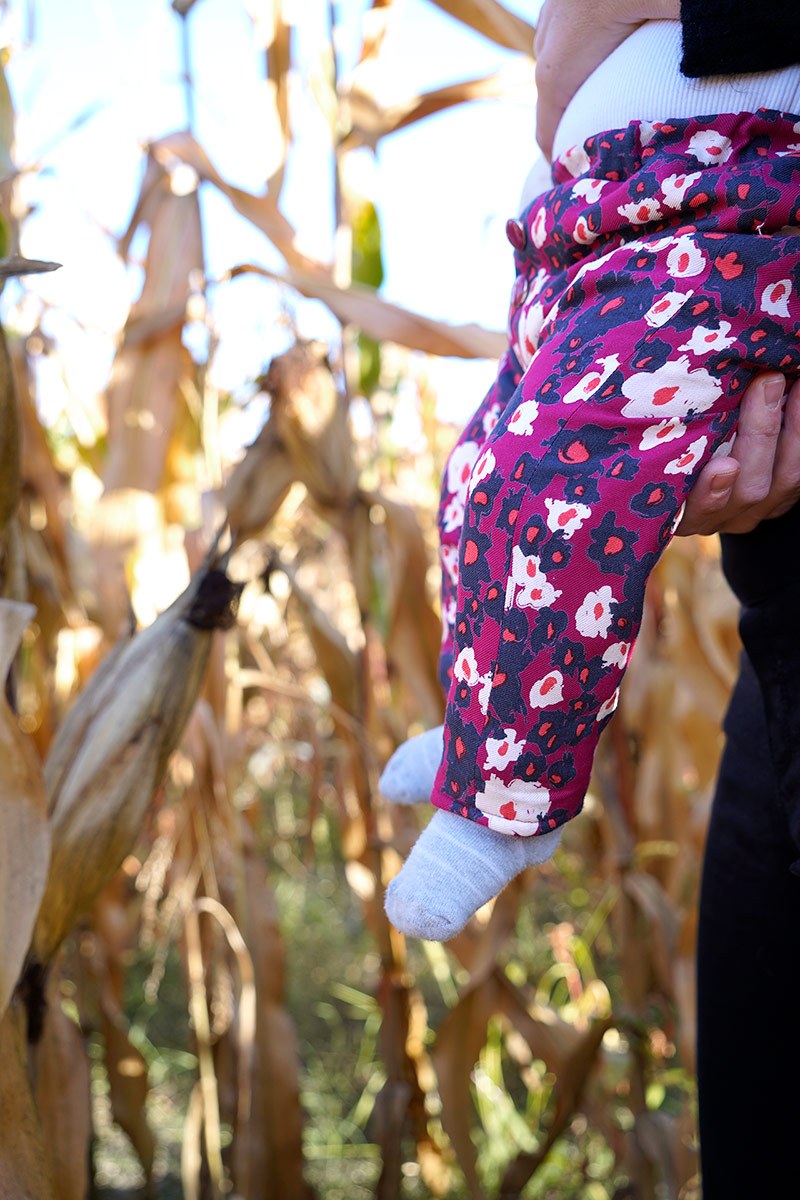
[
  {"x": 714, "y": 142},
  {"x": 734, "y": 173}
]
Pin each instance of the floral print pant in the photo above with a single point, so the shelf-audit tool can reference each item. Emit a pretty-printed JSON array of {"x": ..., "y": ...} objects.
[{"x": 656, "y": 277}]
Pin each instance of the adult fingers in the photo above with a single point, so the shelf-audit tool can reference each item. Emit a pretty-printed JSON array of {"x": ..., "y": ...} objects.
[
  {"x": 708, "y": 504},
  {"x": 757, "y": 438},
  {"x": 753, "y": 504},
  {"x": 733, "y": 494},
  {"x": 785, "y": 490}
]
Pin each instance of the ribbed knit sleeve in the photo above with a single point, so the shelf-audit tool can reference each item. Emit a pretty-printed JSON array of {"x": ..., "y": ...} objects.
[{"x": 727, "y": 37}]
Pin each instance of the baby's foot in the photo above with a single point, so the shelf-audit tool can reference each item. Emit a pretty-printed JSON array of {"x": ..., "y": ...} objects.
[
  {"x": 453, "y": 869},
  {"x": 409, "y": 775}
]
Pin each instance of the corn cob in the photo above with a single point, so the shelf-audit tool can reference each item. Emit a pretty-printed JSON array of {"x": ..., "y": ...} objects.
[{"x": 111, "y": 752}]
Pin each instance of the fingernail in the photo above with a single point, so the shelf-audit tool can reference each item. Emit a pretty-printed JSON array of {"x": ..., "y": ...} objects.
[
  {"x": 773, "y": 391},
  {"x": 722, "y": 484}
]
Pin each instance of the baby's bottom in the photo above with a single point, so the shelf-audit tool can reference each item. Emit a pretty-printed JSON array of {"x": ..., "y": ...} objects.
[{"x": 574, "y": 496}]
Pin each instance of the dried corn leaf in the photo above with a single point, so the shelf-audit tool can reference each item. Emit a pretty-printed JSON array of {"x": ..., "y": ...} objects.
[
  {"x": 388, "y": 322},
  {"x": 413, "y": 636},
  {"x": 15, "y": 265},
  {"x": 9, "y": 224},
  {"x": 61, "y": 1070},
  {"x": 571, "y": 1079},
  {"x": 493, "y": 21},
  {"x": 146, "y": 379},
  {"x": 337, "y": 662},
  {"x": 24, "y": 833},
  {"x": 125, "y": 1065},
  {"x": 262, "y": 210},
  {"x": 568, "y": 1051},
  {"x": 24, "y": 1167},
  {"x": 662, "y": 924},
  {"x": 312, "y": 422},
  {"x": 9, "y": 446},
  {"x": 459, "y": 1041},
  {"x": 372, "y": 119},
  {"x": 258, "y": 485},
  {"x": 271, "y": 1142},
  {"x": 38, "y": 470},
  {"x": 374, "y": 24},
  {"x": 274, "y": 36}
]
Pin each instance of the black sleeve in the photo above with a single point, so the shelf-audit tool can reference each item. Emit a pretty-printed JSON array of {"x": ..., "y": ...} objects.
[
  {"x": 732, "y": 37},
  {"x": 761, "y": 567}
]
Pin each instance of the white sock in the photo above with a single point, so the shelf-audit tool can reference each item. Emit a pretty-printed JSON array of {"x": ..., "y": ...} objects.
[
  {"x": 409, "y": 774},
  {"x": 454, "y": 868}
]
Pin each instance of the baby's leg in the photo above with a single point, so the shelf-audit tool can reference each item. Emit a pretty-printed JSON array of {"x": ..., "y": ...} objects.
[
  {"x": 571, "y": 503},
  {"x": 409, "y": 775}
]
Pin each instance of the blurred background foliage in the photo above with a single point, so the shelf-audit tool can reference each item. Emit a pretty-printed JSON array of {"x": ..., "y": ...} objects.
[{"x": 204, "y": 998}]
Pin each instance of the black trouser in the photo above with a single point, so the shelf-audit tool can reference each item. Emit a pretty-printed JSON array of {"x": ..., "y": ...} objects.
[{"x": 749, "y": 935}]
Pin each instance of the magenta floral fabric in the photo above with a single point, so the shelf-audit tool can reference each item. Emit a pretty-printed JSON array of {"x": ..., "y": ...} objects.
[{"x": 660, "y": 272}]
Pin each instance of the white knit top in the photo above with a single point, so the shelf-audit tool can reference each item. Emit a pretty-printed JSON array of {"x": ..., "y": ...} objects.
[{"x": 641, "y": 80}]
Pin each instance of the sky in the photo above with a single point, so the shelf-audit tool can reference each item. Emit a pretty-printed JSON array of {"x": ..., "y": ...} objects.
[{"x": 444, "y": 187}]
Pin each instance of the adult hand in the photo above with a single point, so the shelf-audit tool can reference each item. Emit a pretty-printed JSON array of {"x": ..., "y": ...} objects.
[
  {"x": 761, "y": 476},
  {"x": 572, "y": 38}
]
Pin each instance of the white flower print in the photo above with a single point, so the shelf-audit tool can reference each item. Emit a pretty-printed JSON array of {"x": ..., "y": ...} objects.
[
  {"x": 484, "y": 692},
  {"x": 675, "y": 187},
  {"x": 502, "y": 751},
  {"x": 537, "y": 283},
  {"x": 564, "y": 516},
  {"x": 453, "y": 515},
  {"x": 593, "y": 618},
  {"x": 576, "y": 160},
  {"x": 664, "y": 431},
  {"x": 548, "y": 691},
  {"x": 528, "y": 332},
  {"x": 678, "y": 517},
  {"x": 490, "y": 418},
  {"x": 685, "y": 259},
  {"x": 583, "y": 235},
  {"x": 775, "y": 298},
  {"x": 608, "y": 706},
  {"x": 617, "y": 655},
  {"x": 639, "y": 212},
  {"x": 539, "y": 227},
  {"x": 524, "y": 416},
  {"x": 483, "y": 468},
  {"x": 665, "y": 307},
  {"x": 588, "y": 189},
  {"x": 688, "y": 460},
  {"x": 709, "y": 147},
  {"x": 449, "y": 557},
  {"x": 724, "y": 449},
  {"x": 459, "y": 468},
  {"x": 593, "y": 379},
  {"x": 704, "y": 339},
  {"x": 647, "y": 131},
  {"x": 465, "y": 667},
  {"x": 515, "y": 807},
  {"x": 527, "y": 585},
  {"x": 674, "y": 390}
]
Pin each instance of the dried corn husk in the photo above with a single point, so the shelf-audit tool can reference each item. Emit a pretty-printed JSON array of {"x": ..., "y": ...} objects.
[
  {"x": 24, "y": 835},
  {"x": 24, "y": 1166},
  {"x": 111, "y": 752},
  {"x": 9, "y": 444},
  {"x": 60, "y": 1067},
  {"x": 312, "y": 421}
]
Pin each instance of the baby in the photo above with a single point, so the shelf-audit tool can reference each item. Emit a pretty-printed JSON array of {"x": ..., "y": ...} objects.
[{"x": 654, "y": 279}]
